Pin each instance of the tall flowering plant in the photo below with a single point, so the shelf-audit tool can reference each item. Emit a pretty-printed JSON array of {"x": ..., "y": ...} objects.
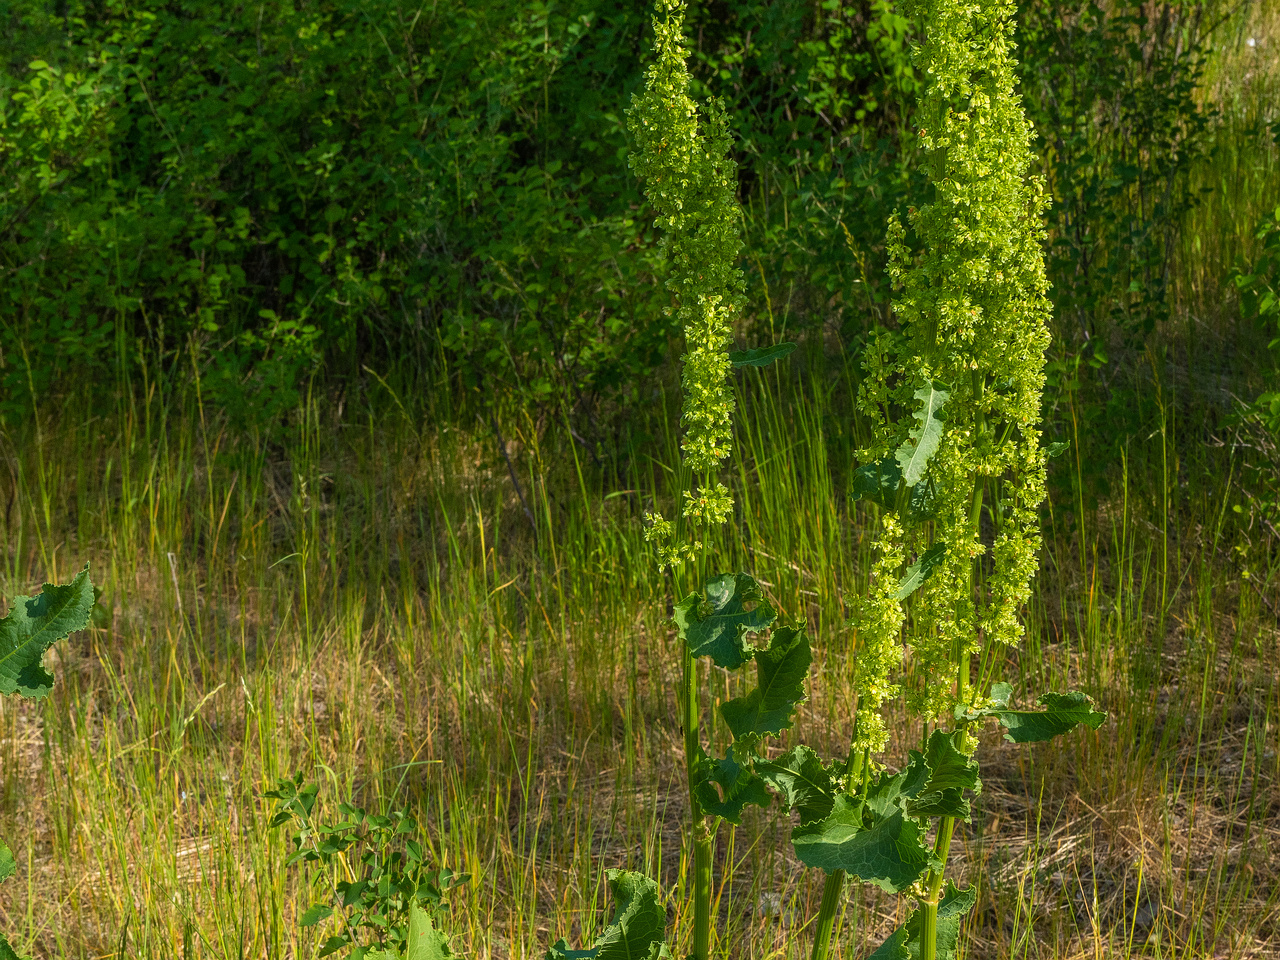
[
  {"x": 682, "y": 155},
  {"x": 955, "y": 473}
]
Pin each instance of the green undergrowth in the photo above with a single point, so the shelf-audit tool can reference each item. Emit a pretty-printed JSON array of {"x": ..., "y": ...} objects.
[{"x": 429, "y": 615}]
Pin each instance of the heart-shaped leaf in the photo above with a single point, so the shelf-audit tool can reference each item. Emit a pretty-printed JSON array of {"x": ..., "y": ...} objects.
[
  {"x": 425, "y": 941},
  {"x": 905, "y": 942}
]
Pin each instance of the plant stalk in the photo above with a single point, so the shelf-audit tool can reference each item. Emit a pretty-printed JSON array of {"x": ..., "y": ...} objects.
[
  {"x": 933, "y": 891},
  {"x": 832, "y": 891}
]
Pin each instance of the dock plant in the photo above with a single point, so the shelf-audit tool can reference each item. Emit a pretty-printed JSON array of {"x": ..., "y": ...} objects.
[
  {"x": 953, "y": 476},
  {"x": 682, "y": 156},
  {"x": 28, "y": 630}
]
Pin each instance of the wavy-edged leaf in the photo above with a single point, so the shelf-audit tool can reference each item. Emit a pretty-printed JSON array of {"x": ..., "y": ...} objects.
[
  {"x": 8, "y": 953},
  {"x": 425, "y": 941},
  {"x": 761, "y": 356},
  {"x": 915, "y": 453},
  {"x": 1062, "y": 713},
  {"x": 8, "y": 866},
  {"x": 33, "y": 625},
  {"x": 951, "y": 773},
  {"x": 637, "y": 930},
  {"x": 805, "y": 784},
  {"x": 716, "y": 625},
  {"x": 889, "y": 852},
  {"x": 780, "y": 672},
  {"x": 739, "y": 787},
  {"x": 921, "y": 570},
  {"x": 905, "y": 942}
]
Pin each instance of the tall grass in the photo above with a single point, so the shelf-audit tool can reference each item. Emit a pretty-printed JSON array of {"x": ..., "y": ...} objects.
[
  {"x": 421, "y": 610},
  {"x": 369, "y": 601}
]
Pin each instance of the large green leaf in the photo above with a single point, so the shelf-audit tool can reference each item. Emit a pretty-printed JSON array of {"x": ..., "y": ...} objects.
[
  {"x": 921, "y": 570},
  {"x": 1062, "y": 713},
  {"x": 8, "y": 953},
  {"x": 914, "y": 454},
  {"x": 638, "y": 928},
  {"x": 739, "y": 788},
  {"x": 888, "y": 851},
  {"x": 780, "y": 672},
  {"x": 33, "y": 625},
  {"x": 7, "y": 864},
  {"x": 425, "y": 941},
  {"x": 716, "y": 625},
  {"x": 805, "y": 784},
  {"x": 905, "y": 942},
  {"x": 950, "y": 774},
  {"x": 761, "y": 356}
]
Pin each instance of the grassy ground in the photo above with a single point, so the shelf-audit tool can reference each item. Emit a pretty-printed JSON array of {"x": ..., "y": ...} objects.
[{"x": 418, "y": 614}]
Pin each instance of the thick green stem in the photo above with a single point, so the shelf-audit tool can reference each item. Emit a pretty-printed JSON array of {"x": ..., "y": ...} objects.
[
  {"x": 701, "y": 835},
  {"x": 855, "y": 766},
  {"x": 933, "y": 891},
  {"x": 704, "y": 839},
  {"x": 832, "y": 893}
]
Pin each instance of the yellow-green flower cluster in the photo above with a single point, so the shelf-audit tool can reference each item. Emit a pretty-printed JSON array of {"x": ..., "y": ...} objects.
[
  {"x": 971, "y": 299},
  {"x": 683, "y": 159}
]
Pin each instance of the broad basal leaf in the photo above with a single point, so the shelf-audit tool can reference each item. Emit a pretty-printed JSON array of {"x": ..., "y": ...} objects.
[
  {"x": 951, "y": 773},
  {"x": 739, "y": 788},
  {"x": 638, "y": 926},
  {"x": 921, "y": 570},
  {"x": 761, "y": 356},
  {"x": 1061, "y": 713},
  {"x": 805, "y": 784},
  {"x": 33, "y": 625},
  {"x": 905, "y": 942},
  {"x": 780, "y": 672},
  {"x": 914, "y": 455},
  {"x": 425, "y": 941},
  {"x": 716, "y": 625},
  {"x": 887, "y": 851}
]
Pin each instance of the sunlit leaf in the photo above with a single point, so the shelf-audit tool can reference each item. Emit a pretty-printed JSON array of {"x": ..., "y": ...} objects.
[
  {"x": 33, "y": 625},
  {"x": 1062, "y": 713},
  {"x": 805, "y": 784},
  {"x": 914, "y": 454},
  {"x": 314, "y": 914},
  {"x": 887, "y": 851},
  {"x": 921, "y": 570},
  {"x": 637, "y": 930},
  {"x": 716, "y": 625},
  {"x": 905, "y": 942},
  {"x": 950, "y": 774},
  {"x": 780, "y": 670},
  {"x": 425, "y": 941}
]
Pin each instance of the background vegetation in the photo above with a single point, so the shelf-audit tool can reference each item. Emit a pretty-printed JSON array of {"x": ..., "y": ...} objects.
[{"x": 332, "y": 334}]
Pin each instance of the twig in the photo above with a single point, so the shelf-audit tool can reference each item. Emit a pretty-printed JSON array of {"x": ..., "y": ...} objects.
[{"x": 511, "y": 470}]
